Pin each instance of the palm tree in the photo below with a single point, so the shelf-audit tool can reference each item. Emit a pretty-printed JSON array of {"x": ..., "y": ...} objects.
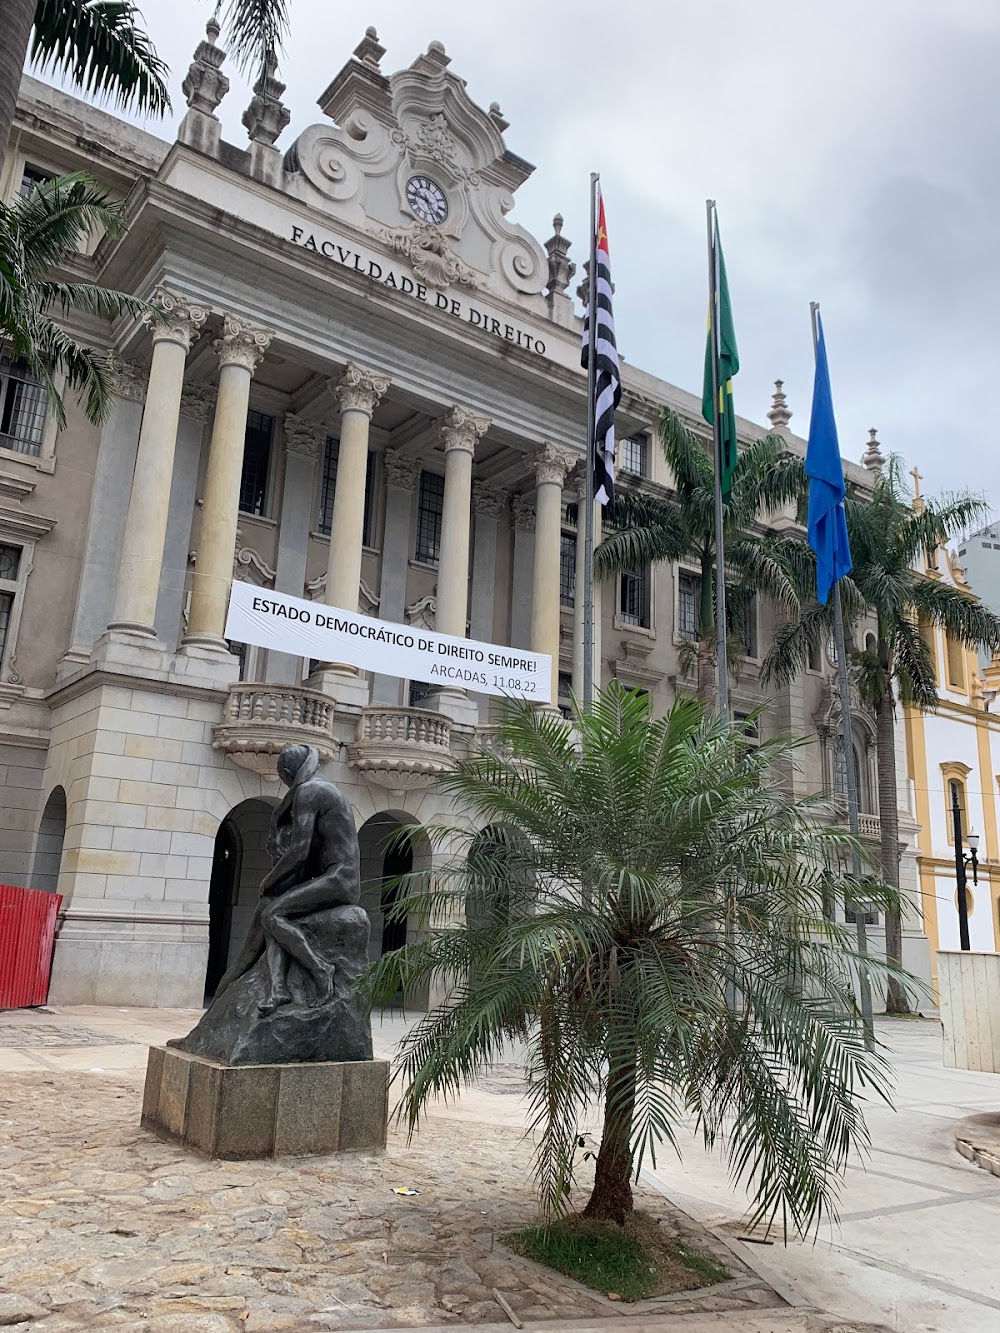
[
  {"x": 889, "y": 535},
  {"x": 650, "y": 928},
  {"x": 101, "y": 47},
  {"x": 647, "y": 529},
  {"x": 40, "y": 234}
]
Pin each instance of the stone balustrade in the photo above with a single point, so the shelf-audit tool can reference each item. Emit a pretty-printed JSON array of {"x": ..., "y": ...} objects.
[
  {"x": 400, "y": 748},
  {"x": 869, "y": 826},
  {"x": 261, "y": 719}
]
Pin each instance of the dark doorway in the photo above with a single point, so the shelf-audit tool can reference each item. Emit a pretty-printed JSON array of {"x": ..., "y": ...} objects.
[
  {"x": 221, "y": 897},
  {"x": 398, "y": 860}
]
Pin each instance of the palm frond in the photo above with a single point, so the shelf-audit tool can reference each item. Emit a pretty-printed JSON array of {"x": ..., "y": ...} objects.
[
  {"x": 101, "y": 46},
  {"x": 255, "y": 32}
]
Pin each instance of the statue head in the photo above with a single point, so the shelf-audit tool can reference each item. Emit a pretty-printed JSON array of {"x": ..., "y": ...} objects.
[{"x": 297, "y": 762}]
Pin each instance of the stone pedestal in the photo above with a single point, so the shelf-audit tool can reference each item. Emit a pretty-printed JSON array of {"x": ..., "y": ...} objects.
[{"x": 244, "y": 1112}]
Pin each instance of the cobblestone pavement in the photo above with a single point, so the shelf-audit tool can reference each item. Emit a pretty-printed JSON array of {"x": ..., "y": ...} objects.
[{"x": 102, "y": 1226}]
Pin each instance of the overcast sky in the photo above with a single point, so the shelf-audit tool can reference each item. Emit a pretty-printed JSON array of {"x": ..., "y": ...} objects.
[{"x": 853, "y": 150}]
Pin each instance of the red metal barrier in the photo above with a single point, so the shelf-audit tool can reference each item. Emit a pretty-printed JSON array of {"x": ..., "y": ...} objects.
[{"x": 27, "y": 933}]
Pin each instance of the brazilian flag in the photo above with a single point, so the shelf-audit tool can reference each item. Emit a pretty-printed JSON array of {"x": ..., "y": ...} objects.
[{"x": 729, "y": 364}]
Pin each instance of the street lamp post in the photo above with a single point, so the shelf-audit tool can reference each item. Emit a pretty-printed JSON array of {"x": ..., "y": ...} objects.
[{"x": 961, "y": 861}]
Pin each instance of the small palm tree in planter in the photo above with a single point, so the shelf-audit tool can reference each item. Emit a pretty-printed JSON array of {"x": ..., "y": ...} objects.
[{"x": 650, "y": 927}]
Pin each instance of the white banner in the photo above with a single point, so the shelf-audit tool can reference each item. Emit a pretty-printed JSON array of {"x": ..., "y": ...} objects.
[{"x": 327, "y": 634}]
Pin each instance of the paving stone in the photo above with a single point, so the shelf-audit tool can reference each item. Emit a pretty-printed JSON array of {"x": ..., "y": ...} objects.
[{"x": 16, "y": 1309}]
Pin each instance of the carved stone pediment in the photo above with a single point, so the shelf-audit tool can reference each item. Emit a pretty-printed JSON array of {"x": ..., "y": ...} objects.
[{"x": 420, "y": 125}]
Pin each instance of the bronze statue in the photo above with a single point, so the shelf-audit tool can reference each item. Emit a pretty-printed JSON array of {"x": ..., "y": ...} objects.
[{"x": 291, "y": 996}]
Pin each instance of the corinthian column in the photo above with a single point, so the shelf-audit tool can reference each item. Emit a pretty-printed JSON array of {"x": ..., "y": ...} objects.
[
  {"x": 146, "y": 526},
  {"x": 551, "y": 466},
  {"x": 240, "y": 349},
  {"x": 461, "y": 431},
  {"x": 359, "y": 392}
]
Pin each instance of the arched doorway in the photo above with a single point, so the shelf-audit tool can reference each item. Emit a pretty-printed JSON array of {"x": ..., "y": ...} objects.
[
  {"x": 49, "y": 843},
  {"x": 385, "y": 855},
  {"x": 398, "y": 860},
  {"x": 240, "y": 862}
]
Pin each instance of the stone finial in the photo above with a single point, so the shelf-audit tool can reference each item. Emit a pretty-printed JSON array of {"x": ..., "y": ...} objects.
[
  {"x": 462, "y": 429},
  {"x": 498, "y": 118},
  {"x": 561, "y": 267},
  {"x": 360, "y": 390},
  {"x": 780, "y": 414},
  {"x": 267, "y": 115},
  {"x": 369, "y": 50},
  {"x": 242, "y": 344},
  {"x": 873, "y": 458},
  {"x": 918, "y": 500},
  {"x": 205, "y": 85}
]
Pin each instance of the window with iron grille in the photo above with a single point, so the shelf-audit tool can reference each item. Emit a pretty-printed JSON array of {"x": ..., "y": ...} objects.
[
  {"x": 430, "y": 506},
  {"x": 742, "y": 617},
  {"x": 567, "y": 569},
  {"x": 634, "y": 604},
  {"x": 851, "y": 914},
  {"x": 419, "y": 690},
  {"x": 328, "y": 489},
  {"x": 565, "y": 693},
  {"x": 22, "y": 408},
  {"x": 10, "y": 565},
  {"x": 633, "y": 454},
  {"x": 256, "y": 463},
  {"x": 31, "y": 177},
  {"x": 688, "y": 593}
]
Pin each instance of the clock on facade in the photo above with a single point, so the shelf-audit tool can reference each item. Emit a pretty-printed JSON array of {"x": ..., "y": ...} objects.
[{"x": 427, "y": 200}]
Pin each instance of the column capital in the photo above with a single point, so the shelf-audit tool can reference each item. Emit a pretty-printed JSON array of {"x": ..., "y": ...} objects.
[
  {"x": 524, "y": 512},
  {"x": 579, "y": 481},
  {"x": 304, "y": 437},
  {"x": 487, "y": 500},
  {"x": 198, "y": 400},
  {"x": 400, "y": 471},
  {"x": 242, "y": 343},
  {"x": 174, "y": 319},
  {"x": 463, "y": 429},
  {"x": 360, "y": 390},
  {"x": 130, "y": 379},
  {"x": 552, "y": 464}
]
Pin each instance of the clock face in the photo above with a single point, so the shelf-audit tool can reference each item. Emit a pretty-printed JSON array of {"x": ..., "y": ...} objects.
[{"x": 427, "y": 199}]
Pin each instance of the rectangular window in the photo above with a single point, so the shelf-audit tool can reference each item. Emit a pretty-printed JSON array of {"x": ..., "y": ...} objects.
[
  {"x": 32, "y": 176},
  {"x": 634, "y": 604},
  {"x": 10, "y": 565},
  {"x": 565, "y": 693},
  {"x": 742, "y": 618},
  {"x": 955, "y": 655},
  {"x": 567, "y": 569},
  {"x": 688, "y": 593},
  {"x": 23, "y": 405},
  {"x": 752, "y": 733},
  {"x": 419, "y": 690},
  {"x": 256, "y": 463},
  {"x": 633, "y": 454},
  {"x": 813, "y": 656},
  {"x": 851, "y": 914},
  {"x": 328, "y": 488},
  {"x": 430, "y": 506}
]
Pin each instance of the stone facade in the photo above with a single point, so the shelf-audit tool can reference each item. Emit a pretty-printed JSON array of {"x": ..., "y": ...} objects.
[{"x": 364, "y": 389}]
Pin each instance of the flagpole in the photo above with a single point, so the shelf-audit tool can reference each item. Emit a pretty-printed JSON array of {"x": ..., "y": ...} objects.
[
  {"x": 721, "y": 655},
  {"x": 588, "y": 546},
  {"x": 840, "y": 640}
]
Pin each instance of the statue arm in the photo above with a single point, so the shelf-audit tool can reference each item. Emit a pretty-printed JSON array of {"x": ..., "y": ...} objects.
[{"x": 296, "y": 853}]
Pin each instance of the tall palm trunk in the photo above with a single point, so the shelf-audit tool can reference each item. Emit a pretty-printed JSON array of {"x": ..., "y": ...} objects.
[
  {"x": 16, "y": 20},
  {"x": 611, "y": 1200},
  {"x": 896, "y": 1001},
  {"x": 706, "y": 671}
]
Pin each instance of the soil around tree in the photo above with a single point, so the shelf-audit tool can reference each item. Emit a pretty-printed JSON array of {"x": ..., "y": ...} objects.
[{"x": 634, "y": 1262}]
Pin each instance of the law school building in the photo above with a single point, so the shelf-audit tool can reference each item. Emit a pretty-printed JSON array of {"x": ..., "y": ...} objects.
[{"x": 364, "y": 390}]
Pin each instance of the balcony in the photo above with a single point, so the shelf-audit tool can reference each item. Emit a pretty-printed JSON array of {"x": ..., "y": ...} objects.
[
  {"x": 869, "y": 826},
  {"x": 261, "y": 719},
  {"x": 401, "y": 748}
]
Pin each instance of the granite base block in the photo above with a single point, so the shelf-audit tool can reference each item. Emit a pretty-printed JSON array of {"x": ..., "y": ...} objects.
[{"x": 243, "y": 1112}]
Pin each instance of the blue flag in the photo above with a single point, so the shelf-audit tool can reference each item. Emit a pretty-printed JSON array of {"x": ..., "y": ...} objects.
[{"x": 827, "y": 520}]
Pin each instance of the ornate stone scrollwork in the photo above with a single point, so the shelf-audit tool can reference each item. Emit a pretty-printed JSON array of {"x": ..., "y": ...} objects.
[
  {"x": 304, "y": 437},
  {"x": 552, "y": 464},
  {"x": 400, "y": 471},
  {"x": 360, "y": 390},
  {"x": 524, "y": 512},
  {"x": 367, "y": 600},
  {"x": 198, "y": 400},
  {"x": 488, "y": 500},
  {"x": 463, "y": 429},
  {"x": 176, "y": 319},
  {"x": 249, "y": 566},
  {"x": 429, "y": 254},
  {"x": 242, "y": 343},
  {"x": 130, "y": 379}
]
